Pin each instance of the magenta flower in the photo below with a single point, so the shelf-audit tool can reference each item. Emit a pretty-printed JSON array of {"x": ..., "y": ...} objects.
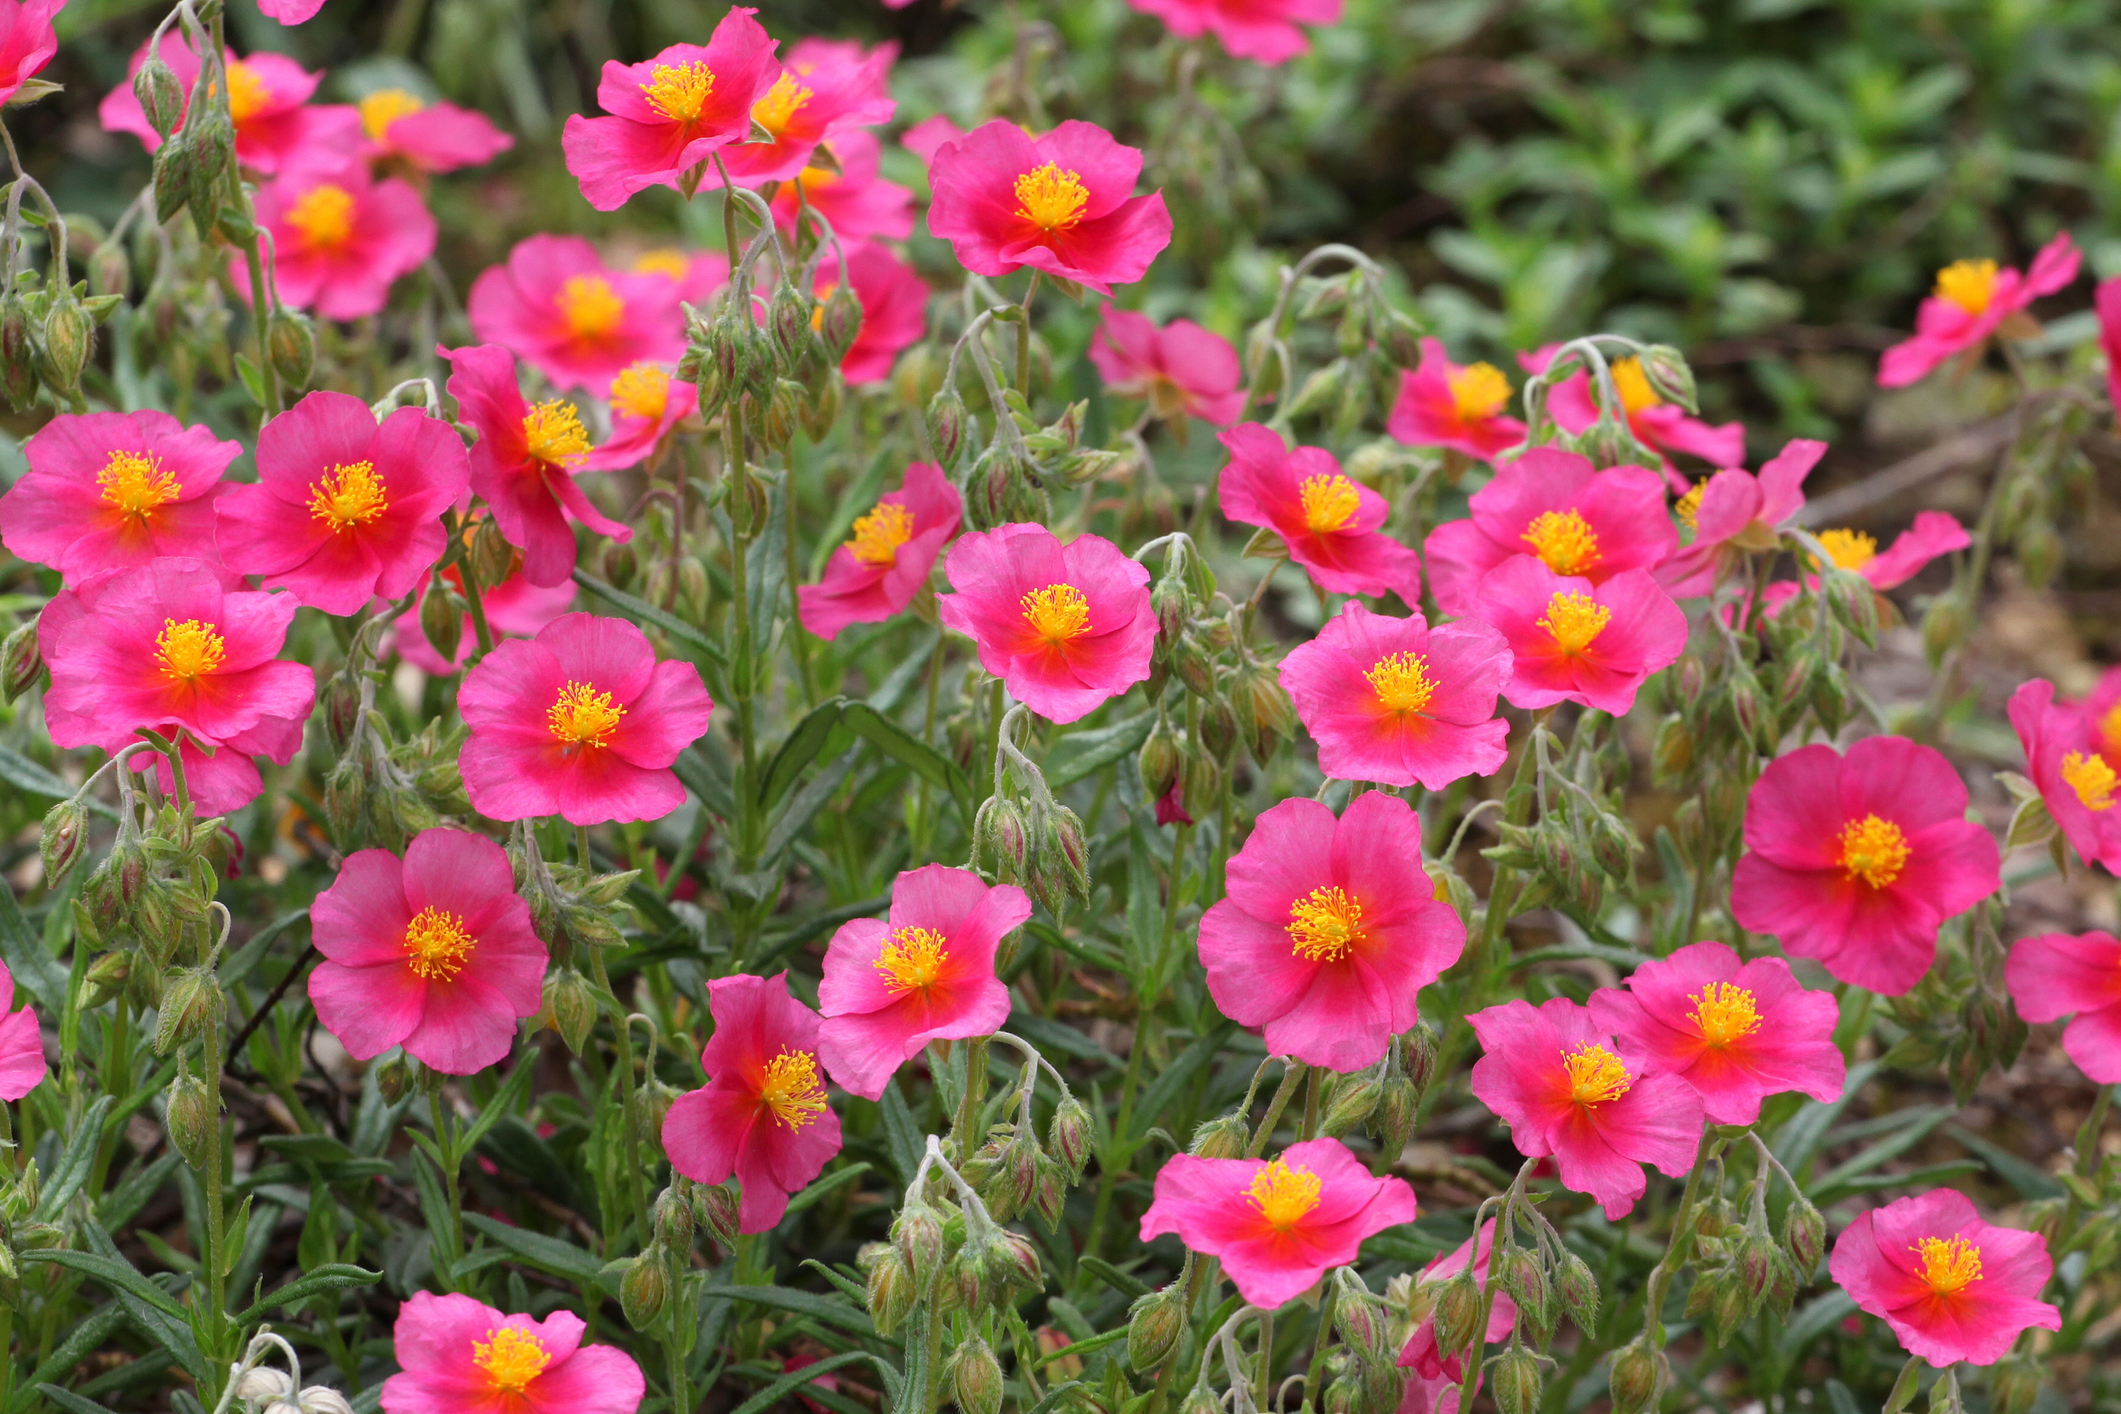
[
  {"x": 647, "y": 404},
  {"x": 695, "y": 274},
  {"x": 27, "y": 43},
  {"x": 849, "y": 194},
  {"x": 1549, "y": 1074},
  {"x": 1661, "y": 426},
  {"x": 2065, "y": 757},
  {"x": 22, "y": 1063},
  {"x": 1434, "y": 1380},
  {"x": 1063, "y": 203},
  {"x": 268, "y": 98},
  {"x": 1065, "y": 627},
  {"x": 456, "y": 1356},
  {"x": 515, "y": 608},
  {"x": 876, "y": 573},
  {"x": 925, "y": 973},
  {"x": 1735, "y": 505},
  {"x": 2102, "y": 713},
  {"x": 290, "y": 12},
  {"x": 1735, "y": 1031},
  {"x": 2056, "y": 975},
  {"x": 1951, "y": 1286},
  {"x": 1459, "y": 406},
  {"x": 114, "y": 490},
  {"x": 1857, "y": 860},
  {"x": 339, "y": 239},
  {"x": 1934, "y": 533},
  {"x": 433, "y": 952},
  {"x": 580, "y": 722},
  {"x": 560, "y": 309},
  {"x": 1396, "y": 702},
  {"x": 1575, "y": 641},
  {"x": 1330, "y": 523},
  {"x": 1551, "y": 505},
  {"x": 1182, "y": 370},
  {"x": 2106, "y": 298},
  {"x": 894, "y": 308},
  {"x": 762, "y": 1115},
  {"x": 819, "y": 95},
  {"x": 1277, "y": 1224},
  {"x": 928, "y": 137},
  {"x": 344, "y": 509},
  {"x": 672, "y": 113},
  {"x": 1330, "y": 930},
  {"x": 427, "y": 137},
  {"x": 1261, "y": 30},
  {"x": 1972, "y": 300}
]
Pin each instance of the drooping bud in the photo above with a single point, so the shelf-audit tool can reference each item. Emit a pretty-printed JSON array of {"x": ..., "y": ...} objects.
[
  {"x": 1353, "y": 1102},
  {"x": 1069, "y": 1135},
  {"x": 442, "y": 619},
  {"x": 1804, "y": 1236},
  {"x": 674, "y": 1221},
  {"x": 1524, "y": 1277},
  {"x": 891, "y": 1292},
  {"x": 1154, "y": 1324},
  {"x": 161, "y": 96},
  {"x": 789, "y": 316},
  {"x": 394, "y": 1079},
  {"x": 1067, "y": 845},
  {"x": 1517, "y": 1381},
  {"x": 1007, "y": 839},
  {"x": 783, "y": 414},
  {"x": 194, "y": 1119},
  {"x": 1195, "y": 668},
  {"x": 1457, "y": 1314},
  {"x": 1013, "y": 1262},
  {"x": 1159, "y": 760},
  {"x": 18, "y": 358},
  {"x": 717, "y": 1209},
  {"x": 1669, "y": 376},
  {"x": 841, "y": 322},
  {"x": 63, "y": 839},
  {"x": 191, "y": 1001},
  {"x": 490, "y": 556},
  {"x": 917, "y": 1233},
  {"x": 966, "y": 1275},
  {"x": 1221, "y": 1138},
  {"x": 109, "y": 271},
  {"x": 20, "y": 662},
  {"x": 1398, "y": 1106},
  {"x": 323, "y": 1399},
  {"x": 1218, "y": 728},
  {"x": 261, "y": 1383},
  {"x": 1638, "y": 1377},
  {"x": 644, "y": 1289},
  {"x": 107, "y": 977},
  {"x": 292, "y": 342},
  {"x": 572, "y": 1006},
  {"x": 1365, "y": 1325},
  {"x": 946, "y": 427},
  {"x": 1579, "y": 1292},
  {"x": 977, "y": 1387}
]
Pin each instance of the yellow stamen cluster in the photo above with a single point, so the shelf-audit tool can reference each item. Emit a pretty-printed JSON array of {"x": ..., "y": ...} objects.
[
  {"x": 348, "y": 495},
  {"x": 384, "y": 107},
  {"x": 1051, "y": 199},
  {"x": 1848, "y": 549},
  {"x": 1328, "y": 501},
  {"x": 1563, "y": 540},
  {"x": 1057, "y": 613},
  {"x": 247, "y": 94},
  {"x": 552, "y": 433},
  {"x": 188, "y": 651},
  {"x": 778, "y": 108},
  {"x": 679, "y": 92},
  {"x": 1873, "y": 850},
  {"x": 2091, "y": 778},
  {"x": 136, "y": 484},
  {"x": 436, "y": 945},
  {"x": 1284, "y": 1194},
  {"x": 1595, "y": 1075},
  {"x": 1633, "y": 385},
  {"x": 912, "y": 959},
  {"x": 1949, "y": 1264},
  {"x": 666, "y": 260},
  {"x": 1325, "y": 925},
  {"x": 1573, "y": 620},
  {"x": 642, "y": 391},
  {"x": 1724, "y": 1011},
  {"x": 791, "y": 1088},
  {"x": 1688, "y": 507},
  {"x": 323, "y": 216},
  {"x": 582, "y": 716},
  {"x": 1402, "y": 682},
  {"x": 511, "y": 1358},
  {"x": 878, "y": 534},
  {"x": 1478, "y": 391},
  {"x": 1970, "y": 284},
  {"x": 590, "y": 307}
]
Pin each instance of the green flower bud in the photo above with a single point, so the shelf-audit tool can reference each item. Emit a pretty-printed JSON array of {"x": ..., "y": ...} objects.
[
  {"x": 191, "y": 1002},
  {"x": 571, "y": 1006},
  {"x": 789, "y": 317},
  {"x": 292, "y": 342},
  {"x": 1195, "y": 668},
  {"x": 644, "y": 1289},
  {"x": 946, "y": 426},
  {"x": 194, "y": 1119},
  {"x": 109, "y": 271},
  {"x": 1159, "y": 760},
  {"x": 1221, "y": 1138},
  {"x": 63, "y": 839},
  {"x": 161, "y": 96},
  {"x": 1004, "y": 839},
  {"x": 490, "y": 556},
  {"x": 1579, "y": 1292},
  {"x": 1069, "y": 1135},
  {"x": 442, "y": 618},
  {"x": 1517, "y": 1381},
  {"x": 1218, "y": 729},
  {"x": 1731, "y": 1303},
  {"x": 1154, "y": 1324},
  {"x": 1354, "y": 1100},
  {"x": 718, "y": 1211},
  {"x": 1638, "y": 1377},
  {"x": 1804, "y": 1237},
  {"x": 966, "y": 1277},
  {"x": 395, "y": 1078},
  {"x": 1669, "y": 376},
  {"x": 674, "y": 1220},
  {"x": 1392, "y": 1122},
  {"x": 107, "y": 977},
  {"x": 891, "y": 1293},
  {"x": 1365, "y": 1326},
  {"x": 69, "y": 336},
  {"x": 1013, "y": 1262},
  {"x": 840, "y": 321},
  {"x": 1457, "y": 1314},
  {"x": 1524, "y": 1277},
  {"x": 977, "y": 1385},
  {"x": 18, "y": 367}
]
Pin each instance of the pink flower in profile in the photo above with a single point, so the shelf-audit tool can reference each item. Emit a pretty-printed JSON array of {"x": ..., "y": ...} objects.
[
  {"x": 925, "y": 973},
  {"x": 1857, "y": 860},
  {"x": 927, "y": 137},
  {"x": 456, "y": 1356},
  {"x": 672, "y": 113},
  {"x": 2056, "y": 975},
  {"x": 2065, "y": 757},
  {"x": 27, "y": 43},
  {"x": 402, "y": 127},
  {"x": 523, "y": 464},
  {"x": 1735, "y": 505},
  {"x": 1182, "y": 370},
  {"x": 114, "y": 490},
  {"x": 1552, "y": 505},
  {"x": 1736, "y": 1031},
  {"x": 1434, "y": 1379},
  {"x": 1396, "y": 702},
  {"x": 833, "y": 92},
  {"x": 762, "y": 1116},
  {"x": 340, "y": 239},
  {"x": 22, "y": 1063},
  {"x": 1575, "y": 641},
  {"x": 1261, "y": 30},
  {"x": 2106, "y": 298},
  {"x": 1972, "y": 300},
  {"x": 1332, "y": 525},
  {"x": 847, "y": 192},
  {"x": 580, "y": 722},
  {"x": 1330, "y": 930},
  {"x": 290, "y": 12},
  {"x": 696, "y": 274},
  {"x": 344, "y": 508},
  {"x": 1661, "y": 426},
  {"x": 1459, "y": 406},
  {"x": 894, "y": 309},
  {"x": 1277, "y": 1224},
  {"x": 559, "y": 308},
  {"x": 433, "y": 952},
  {"x": 1934, "y": 533},
  {"x": 647, "y": 404},
  {"x": 1063, "y": 203},
  {"x": 1549, "y": 1074},
  {"x": 1065, "y": 627},
  {"x": 515, "y": 608},
  {"x": 268, "y": 97},
  {"x": 876, "y": 573},
  {"x": 1951, "y": 1286}
]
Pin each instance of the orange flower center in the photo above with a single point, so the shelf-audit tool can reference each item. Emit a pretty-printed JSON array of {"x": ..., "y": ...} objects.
[
  {"x": 1595, "y": 1075},
  {"x": 1573, "y": 620},
  {"x": 1949, "y": 1264},
  {"x": 510, "y": 1358},
  {"x": 582, "y": 716},
  {"x": 669, "y": 260},
  {"x": 323, "y": 216},
  {"x": 1970, "y": 284},
  {"x": 188, "y": 651},
  {"x": 553, "y": 434},
  {"x": 778, "y": 108},
  {"x": 1873, "y": 850},
  {"x": 811, "y": 178},
  {"x": 1478, "y": 391},
  {"x": 1634, "y": 388},
  {"x": 1326, "y": 925},
  {"x": 1051, "y": 199},
  {"x": 1057, "y": 613},
  {"x": 384, "y": 107},
  {"x": 2091, "y": 778},
  {"x": 1283, "y": 1195},
  {"x": 791, "y": 1089},
  {"x": 912, "y": 959},
  {"x": 436, "y": 945},
  {"x": 136, "y": 484},
  {"x": 1402, "y": 682},
  {"x": 1848, "y": 549},
  {"x": 590, "y": 307},
  {"x": 347, "y": 496},
  {"x": 679, "y": 93},
  {"x": 878, "y": 535},
  {"x": 1328, "y": 501},
  {"x": 247, "y": 94},
  {"x": 1564, "y": 540},
  {"x": 1724, "y": 1012},
  {"x": 2110, "y": 727},
  {"x": 641, "y": 391}
]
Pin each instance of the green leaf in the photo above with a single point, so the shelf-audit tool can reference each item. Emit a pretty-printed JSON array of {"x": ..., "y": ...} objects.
[
  {"x": 18, "y": 770},
  {"x": 121, "y": 1204},
  {"x": 802, "y": 1303},
  {"x": 93, "y": 1330},
  {"x": 113, "y": 1272},
  {"x": 787, "y": 1384},
  {"x": 511, "y": 1098},
  {"x": 28, "y": 959},
  {"x": 69, "y": 1401},
  {"x": 1113, "y": 1277},
  {"x": 2030, "y": 1182},
  {"x": 826, "y": 1186},
  {"x": 706, "y": 777},
  {"x": 74, "y": 1165},
  {"x": 1086, "y": 753},
  {"x": 1082, "y": 1347},
  {"x": 1914, "y": 1127},
  {"x": 333, "y": 1276},
  {"x": 547, "y": 1254},
  {"x": 1176, "y": 1076},
  {"x": 910, "y": 751},
  {"x": 649, "y": 615},
  {"x": 847, "y": 1287},
  {"x": 902, "y": 1132},
  {"x": 253, "y": 380},
  {"x": 1801, "y": 1137},
  {"x": 1814, "y": 1319},
  {"x": 799, "y": 750}
]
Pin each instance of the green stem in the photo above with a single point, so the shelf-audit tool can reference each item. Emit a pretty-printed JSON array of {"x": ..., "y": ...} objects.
[
  {"x": 1283, "y": 1093},
  {"x": 476, "y": 602},
  {"x": 1263, "y": 1372},
  {"x": 636, "y": 1190},
  {"x": 1311, "y": 1103},
  {"x": 968, "y": 1104},
  {"x": 446, "y": 1141},
  {"x": 1314, "y": 1377},
  {"x": 798, "y": 636},
  {"x": 2088, "y": 1135},
  {"x": 215, "y": 1268},
  {"x": 1682, "y": 1243},
  {"x": 1023, "y": 339}
]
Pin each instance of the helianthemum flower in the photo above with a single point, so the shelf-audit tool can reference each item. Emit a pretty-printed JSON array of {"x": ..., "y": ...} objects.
[
  {"x": 647, "y": 404},
  {"x": 876, "y": 572},
  {"x": 1277, "y": 1224},
  {"x": 1575, "y": 641},
  {"x": 1973, "y": 299},
  {"x": 1434, "y": 1379},
  {"x": 1331, "y": 525},
  {"x": 1735, "y": 505},
  {"x": 925, "y": 973},
  {"x": 761, "y": 1117},
  {"x": 515, "y": 608},
  {"x": 268, "y": 98},
  {"x": 340, "y": 239},
  {"x": 1459, "y": 406},
  {"x": 1330, "y": 930},
  {"x": 832, "y": 93},
  {"x": 1857, "y": 860},
  {"x": 1934, "y": 533},
  {"x": 2056, "y": 975},
  {"x": 1550, "y": 1073},
  {"x": 562, "y": 310},
  {"x": 1396, "y": 702},
  {"x": 849, "y": 193},
  {"x": 1951, "y": 1286},
  {"x": 2065, "y": 756},
  {"x": 433, "y": 952},
  {"x": 1661, "y": 426},
  {"x": 27, "y": 42},
  {"x": 457, "y": 1356},
  {"x": 580, "y": 722},
  {"x": 1261, "y": 30},
  {"x": 22, "y": 1063},
  {"x": 404, "y": 128},
  {"x": 1065, "y": 627},
  {"x": 1181, "y": 369}
]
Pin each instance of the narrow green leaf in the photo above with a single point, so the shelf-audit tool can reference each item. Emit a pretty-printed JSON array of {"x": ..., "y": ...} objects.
[
  {"x": 547, "y": 1254},
  {"x": 93, "y": 1330},
  {"x": 827, "y": 1186},
  {"x": 1086, "y": 753},
  {"x": 334, "y": 1276},
  {"x": 74, "y": 1165},
  {"x": 803, "y": 1303},
  {"x": 69, "y": 1401},
  {"x": 788, "y": 1384},
  {"x": 1176, "y": 1076},
  {"x": 648, "y": 614},
  {"x": 113, "y": 1272},
  {"x": 1113, "y": 1277},
  {"x": 910, "y": 751},
  {"x": 799, "y": 750}
]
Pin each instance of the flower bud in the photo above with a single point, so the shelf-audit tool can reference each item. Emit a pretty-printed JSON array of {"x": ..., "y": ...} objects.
[
  {"x": 18, "y": 368},
  {"x": 717, "y": 1209},
  {"x": 109, "y": 271},
  {"x": 1673, "y": 750},
  {"x": 191, "y": 1002},
  {"x": 1190, "y": 660},
  {"x": 1669, "y": 376},
  {"x": 1730, "y": 1302},
  {"x": 977, "y": 1386},
  {"x": 1069, "y": 1135},
  {"x": 674, "y": 1220},
  {"x": 1006, "y": 839},
  {"x": 1159, "y": 760},
  {"x": 292, "y": 342},
  {"x": 840, "y": 322},
  {"x": 1343, "y": 1396},
  {"x": 69, "y": 335},
  {"x": 643, "y": 1290},
  {"x": 193, "y": 1118},
  {"x": 20, "y": 662},
  {"x": 261, "y": 1383},
  {"x": 1517, "y": 1381},
  {"x": 1579, "y": 1292},
  {"x": 571, "y": 1006},
  {"x": 490, "y": 556},
  {"x": 107, "y": 977},
  {"x": 1222, "y": 1138},
  {"x": 1399, "y": 334},
  {"x": 1457, "y": 1314},
  {"x": 917, "y": 1234},
  {"x": 1069, "y": 850},
  {"x": 394, "y": 1079},
  {"x": 1638, "y": 1377},
  {"x": 63, "y": 839},
  {"x": 161, "y": 97},
  {"x": 789, "y": 316},
  {"x": 1398, "y": 1104},
  {"x": 1804, "y": 1236},
  {"x": 2013, "y": 1384},
  {"x": 1354, "y": 1100},
  {"x": 1013, "y": 1262},
  {"x": 1756, "y": 1261},
  {"x": 1172, "y": 602},
  {"x": 1218, "y": 728},
  {"x": 946, "y": 426},
  {"x": 1524, "y": 1277},
  {"x": 442, "y": 619},
  {"x": 891, "y": 1293},
  {"x": 1365, "y": 1325},
  {"x": 822, "y": 409},
  {"x": 1154, "y": 1323},
  {"x": 966, "y": 1276},
  {"x": 323, "y": 1399}
]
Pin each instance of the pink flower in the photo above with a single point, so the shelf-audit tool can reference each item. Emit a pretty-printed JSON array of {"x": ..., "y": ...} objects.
[
  {"x": 433, "y": 952},
  {"x": 427, "y": 137},
  {"x": 521, "y": 466},
  {"x": 2064, "y": 755},
  {"x": 344, "y": 509},
  {"x": 1575, "y": 641},
  {"x": 1330, "y": 523},
  {"x": 1065, "y": 627},
  {"x": 854, "y": 200},
  {"x": 2106, "y": 298},
  {"x": 22, "y": 1064},
  {"x": 876, "y": 573},
  {"x": 290, "y": 12},
  {"x": 2054, "y": 975},
  {"x": 1063, "y": 203},
  {"x": 560, "y": 309},
  {"x": 832, "y": 92},
  {"x": 1661, "y": 426},
  {"x": 1951, "y": 1286},
  {"x": 1857, "y": 860},
  {"x": 646, "y": 405},
  {"x": 1974, "y": 299},
  {"x": 456, "y": 1356},
  {"x": 1459, "y": 406},
  {"x": 894, "y": 308},
  {"x": 1330, "y": 930},
  {"x": 27, "y": 43},
  {"x": 1736, "y": 505},
  {"x": 515, "y": 607},
  {"x": 1393, "y": 701},
  {"x": 268, "y": 97},
  {"x": 1934, "y": 533},
  {"x": 762, "y": 1115},
  {"x": 1434, "y": 1380},
  {"x": 1277, "y": 1224},
  {"x": 671, "y": 114},
  {"x": 1735, "y": 1031},
  {"x": 339, "y": 239},
  {"x": 114, "y": 490},
  {"x": 581, "y": 722},
  {"x": 1548, "y": 1074},
  {"x": 1551, "y": 504},
  {"x": 927, "y": 137},
  {"x": 1262, "y": 30},
  {"x": 924, "y": 974},
  {"x": 2102, "y": 711},
  {"x": 1181, "y": 369},
  {"x": 695, "y": 274}
]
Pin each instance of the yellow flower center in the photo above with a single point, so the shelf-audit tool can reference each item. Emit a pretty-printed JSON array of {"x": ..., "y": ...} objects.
[
  {"x": 1051, "y": 199},
  {"x": 1478, "y": 391},
  {"x": 1564, "y": 540},
  {"x": 791, "y": 1088},
  {"x": 1057, "y": 613},
  {"x": 811, "y": 178},
  {"x": 552, "y": 433},
  {"x": 1848, "y": 549},
  {"x": 347, "y": 496},
  {"x": 679, "y": 93},
  {"x": 136, "y": 484},
  {"x": 247, "y": 94},
  {"x": 1970, "y": 284},
  {"x": 591, "y": 308},
  {"x": 1634, "y": 388},
  {"x": 1402, "y": 682},
  {"x": 778, "y": 107},
  {"x": 1573, "y": 620},
  {"x": 384, "y": 107},
  {"x": 511, "y": 1358},
  {"x": 1688, "y": 507},
  {"x": 2091, "y": 778},
  {"x": 1283, "y": 1194},
  {"x": 323, "y": 216},
  {"x": 1724, "y": 1012},
  {"x": 188, "y": 651},
  {"x": 2110, "y": 727},
  {"x": 1329, "y": 501},
  {"x": 668, "y": 260},
  {"x": 912, "y": 959},
  {"x": 1949, "y": 1264},
  {"x": 1325, "y": 926},
  {"x": 641, "y": 391},
  {"x": 878, "y": 534},
  {"x": 1873, "y": 850},
  {"x": 436, "y": 944},
  {"x": 583, "y": 716},
  {"x": 1595, "y": 1075}
]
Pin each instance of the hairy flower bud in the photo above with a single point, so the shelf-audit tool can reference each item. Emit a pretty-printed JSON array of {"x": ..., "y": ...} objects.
[
  {"x": 946, "y": 427},
  {"x": 1218, "y": 728},
  {"x": 261, "y": 1383},
  {"x": 1195, "y": 668},
  {"x": 20, "y": 662},
  {"x": 18, "y": 359},
  {"x": 1579, "y": 1292},
  {"x": 161, "y": 96},
  {"x": 1365, "y": 1325},
  {"x": 840, "y": 324},
  {"x": 1068, "y": 850},
  {"x": 966, "y": 1276},
  {"x": 1221, "y": 1138},
  {"x": 977, "y": 1386},
  {"x": 1638, "y": 1377},
  {"x": 1804, "y": 1237},
  {"x": 442, "y": 619},
  {"x": 107, "y": 977},
  {"x": 789, "y": 316},
  {"x": 1354, "y": 1100},
  {"x": 1517, "y": 1381},
  {"x": 1392, "y": 1122},
  {"x": 194, "y": 1119},
  {"x": 1159, "y": 759},
  {"x": 1670, "y": 377},
  {"x": 644, "y": 1289},
  {"x": 1013, "y": 1262},
  {"x": 717, "y": 1209},
  {"x": 1005, "y": 839},
  {"x": 917, "y": 1234},
  {"x": 891, "y": 1292},
  {"x": 63, "y": 839},
  {"x": 191, "y": 1002},
  {"x": 1069, "y": 1135},
  {"x": 674, "y": 1220},
  {"x": 572, "y": 1007},
  {"x": 1154, "y": 1324},
  {"x": 1457, "y": 1314}
]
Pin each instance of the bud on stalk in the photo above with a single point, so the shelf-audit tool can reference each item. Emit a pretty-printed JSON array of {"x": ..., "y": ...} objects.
[
  {"x": 1069, "y": 1135},
  {"x": 442, "y": 619},
  {"x": 194, "y": 1119},
  {"x": 1804, "y": 1236},
  {"x": 840, "y": 324},
  {"x": 716, "y": 1208},
  {"x": 63, "y": 838},
  {"x": 191, "y": 1002},
  {"x": 1222, "y": 1138},
  {"x": 1579, "y": 1292},
  {"x": 674, "y": 1220},
  {"x": 292, "y": 343},
  {"x": 977, "y": 1386},
  {"x": 1639, "y": 1375},
  {"x": 1457, "y": 1314},
  {"x": 946, "y": 426},
  {"x": 161, "y": 97},
  {"x": 1154, "y": 1324},
  {"x": 891, "y": 1293},
  {"x": 1517, "y": 1381},
  {"x": 1353, "y": 1102},
  {"x": 644, "y": 1289}
]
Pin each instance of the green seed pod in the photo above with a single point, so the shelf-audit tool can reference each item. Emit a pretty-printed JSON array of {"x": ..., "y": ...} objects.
[
  {"x": 63, "y": 839},
  {"x": 1154, "y": 1324},
  {"x": 644, "y": 1289}
]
